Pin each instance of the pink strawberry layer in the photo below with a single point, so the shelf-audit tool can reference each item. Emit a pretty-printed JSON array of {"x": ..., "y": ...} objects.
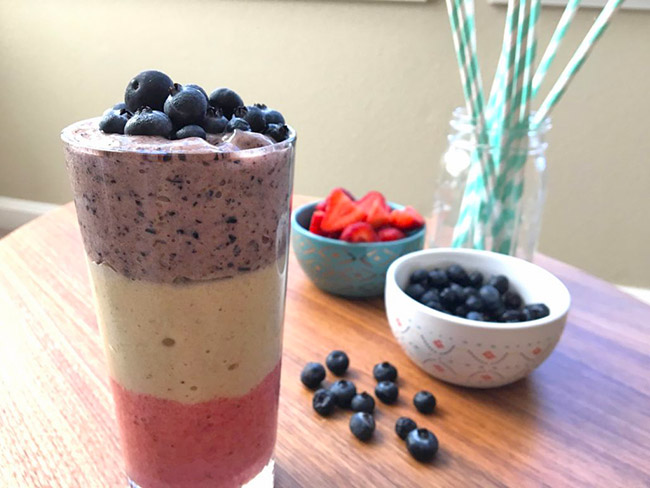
[{"x": 223, "y": 442}]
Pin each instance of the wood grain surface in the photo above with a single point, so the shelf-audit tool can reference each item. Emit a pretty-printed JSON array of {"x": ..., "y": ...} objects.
[{"x": 581, "y": 419}]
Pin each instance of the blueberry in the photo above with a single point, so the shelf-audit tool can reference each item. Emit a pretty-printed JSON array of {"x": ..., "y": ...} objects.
[
  {"x": 185, "y": 106},
  {"x": 476, "y": 316},
  {"x": 147, "y": 89},
  {"x": 119, "y": 106},
  {"x": 490, "y": 295},
  {"x": 148, "y": 122},
  {"x": 536, "y": 311},
  {"x": 387, "y": 392},
  {"x": 415, "y": 291},
  {"x": 237, "y": 124},
  {"x": 337, "y": 362},
  {"x": 277, "y": 132},
  {"x": 457, "y": 274},
  {"x": 430, "y": 295},
  {"x": 344, "y": 391},
  {"x": 420, "y": 276},
  {"x": 113, "y": 121},
  {"x": 384, "y": 372},
  {"x": 512, "y": 316},
  {"x": 475, "y": 279},
  {"x": 190, "y": 131},
  {"x": 512, "y": 300},
  {"x": 274, "y": 117},
  {"x": 226, "y": 100},
  {"x": 214, "y": 122},
  {"x": 468, "y": 291},
  {"x": 424, "y": 401},
  {"x": 254, "y": 116},
  {"x": 312, "y": 375},
  {"x": 459, "y": 291},
  {"x": 500, "y": 282},
  {"x": 461, "y": 311},
  {"x": 449, "y": 297},
  {"x": 324, "y": 402},
  {"x": 474, "y": 303},
  {"x": 199, "y": 88},
  {"x": 438, "y": 278},
  {"x": 403, "y": 426},
  {"x": 422, "y": 444},
  {"x": 362, "y": 402},
  {"x": 496, "y": 312},
  {"x": 362, "y": 425},
  {"x": 436, "y": 305}
]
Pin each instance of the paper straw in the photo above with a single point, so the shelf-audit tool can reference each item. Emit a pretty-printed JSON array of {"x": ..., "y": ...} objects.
[
  {"x": 577, "y": 60},
  {"x": 462, "y": 24},
  {"x": 554, "y": 44}
]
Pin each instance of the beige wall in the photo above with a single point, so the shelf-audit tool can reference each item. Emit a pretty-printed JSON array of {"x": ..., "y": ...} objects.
[{"x": 369, "y": 86}]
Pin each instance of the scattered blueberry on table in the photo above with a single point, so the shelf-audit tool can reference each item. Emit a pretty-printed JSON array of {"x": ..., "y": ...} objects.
[
  {"x": 422, "y": 444},
  {"x": 387, "y": 392},
  {"x": 362, "y": 402},
  {"x": 424, "y": 401},
  {"x": 403, "y": 426},
  {"x": 324, "y": 402},
  {"x": 384, "y": 372},
  {"x": 344, "y": 391},
  {"x": 456, "y": 291},
  {"x": 312, "y": 375},
  {"x": 337, "y": 362},
  {"x": 362, "y": 425}
]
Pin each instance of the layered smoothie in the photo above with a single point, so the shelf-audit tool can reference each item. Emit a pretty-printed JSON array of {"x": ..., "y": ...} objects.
[{"x": 187, "y": 248}]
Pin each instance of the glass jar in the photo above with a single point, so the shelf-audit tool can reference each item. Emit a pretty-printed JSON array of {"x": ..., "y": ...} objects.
[{"x": 508, "y": 224}]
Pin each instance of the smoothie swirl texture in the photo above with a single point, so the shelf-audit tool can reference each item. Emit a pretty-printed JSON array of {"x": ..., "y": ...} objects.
[{"x": 172, "y": 211}]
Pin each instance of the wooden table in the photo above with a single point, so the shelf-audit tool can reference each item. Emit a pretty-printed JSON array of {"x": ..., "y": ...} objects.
[{"x": 581, "y": 419}]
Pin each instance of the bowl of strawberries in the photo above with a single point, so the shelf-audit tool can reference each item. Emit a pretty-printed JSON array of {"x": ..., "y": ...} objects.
[{"x": 345, "y": 245}]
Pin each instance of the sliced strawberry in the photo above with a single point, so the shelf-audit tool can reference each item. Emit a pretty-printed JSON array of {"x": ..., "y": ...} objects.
[
  {"x": 315, "y": 224},
  {"x": 341, "y": 211},
  {"x": 390, "y": 234},
  {"x": 322, "y": 205},
  {"x": 406, "y": 219},
  {"x": 370, "y": 199},
  {"x": 378, "y": 216},
  {"x": 359, "y": 232}
]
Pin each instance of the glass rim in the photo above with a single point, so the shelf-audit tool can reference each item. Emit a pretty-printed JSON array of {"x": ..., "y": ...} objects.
[
  {"x": 158, "y": 149},
  {"x": 461, "y": 121}
]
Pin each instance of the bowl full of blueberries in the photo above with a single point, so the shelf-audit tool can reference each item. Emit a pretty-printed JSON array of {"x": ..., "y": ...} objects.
[{"x": 474, "y": 318}]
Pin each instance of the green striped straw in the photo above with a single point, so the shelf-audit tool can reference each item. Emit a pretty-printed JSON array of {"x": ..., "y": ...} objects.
[
  {"x": 462, "y": 24},
  {"x": 510, "y": 186},
  {"x": 554, "y": 44},
  {"x": 577, "y": 60}
]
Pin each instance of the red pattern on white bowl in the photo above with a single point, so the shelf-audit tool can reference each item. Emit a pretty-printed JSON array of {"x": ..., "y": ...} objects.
[{"x": 473, "y": 362}]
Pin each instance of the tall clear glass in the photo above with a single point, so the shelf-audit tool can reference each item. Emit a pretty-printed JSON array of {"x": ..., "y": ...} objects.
[
  {"x": 525, "y": 226},
  {"x": 187, "y": 247}
]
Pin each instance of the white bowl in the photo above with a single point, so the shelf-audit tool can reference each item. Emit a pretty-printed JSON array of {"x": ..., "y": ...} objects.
[{"x": 467, "y": 352}]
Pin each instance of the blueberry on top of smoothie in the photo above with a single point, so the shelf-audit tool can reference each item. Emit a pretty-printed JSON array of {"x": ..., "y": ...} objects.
[
  {"x": 197, "y": 87},
  {"x": 149, "y": 88},
  {"x": 113, "y": 121},
  {"x": 185, "y": 105},
  {"x": 214, "y": 121},
  {"x": 278, "y": 132},
  {"x": 237, "y": 123},
  {"x": 254, "y": 116},
  {"x": 226, "y": 100},
  {"x": 148, "y": 122},
  {"x": 190, "y": 131}
]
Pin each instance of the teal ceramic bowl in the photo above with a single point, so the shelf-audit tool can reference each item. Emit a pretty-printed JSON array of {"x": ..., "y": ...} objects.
[{"x": 354, "y": 270}]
